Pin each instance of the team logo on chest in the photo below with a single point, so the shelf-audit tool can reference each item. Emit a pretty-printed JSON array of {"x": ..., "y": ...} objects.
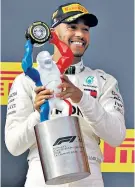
[{"x": 89, "y": 80}]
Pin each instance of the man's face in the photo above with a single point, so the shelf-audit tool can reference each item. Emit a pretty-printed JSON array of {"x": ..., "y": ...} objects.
[{"x": 75, "y": 35}]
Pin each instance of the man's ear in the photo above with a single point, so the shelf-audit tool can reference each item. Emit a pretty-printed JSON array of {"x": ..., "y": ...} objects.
[{"x": 57, "y": 31}]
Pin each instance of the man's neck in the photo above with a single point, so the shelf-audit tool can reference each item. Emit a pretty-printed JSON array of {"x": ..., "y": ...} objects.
[
  {"x": 76, "y": 60},
  {"x": 57, "y": 56}
]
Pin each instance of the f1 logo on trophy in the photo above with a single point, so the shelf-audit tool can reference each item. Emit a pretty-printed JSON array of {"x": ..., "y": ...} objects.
[{"x": 60, "y": 144}]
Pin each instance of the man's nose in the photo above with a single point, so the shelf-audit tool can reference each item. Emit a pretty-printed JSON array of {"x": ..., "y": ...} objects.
[{"x": 79, "y": 33}]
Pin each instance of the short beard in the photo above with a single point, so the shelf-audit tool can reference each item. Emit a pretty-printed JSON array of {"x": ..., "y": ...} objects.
[{"x": 80, "y": 55}]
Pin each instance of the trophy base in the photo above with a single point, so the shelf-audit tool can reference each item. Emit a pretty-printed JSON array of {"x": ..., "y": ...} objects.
[
  {"x": 61, "y": 150},
  {"x": 68, "y": 178}
]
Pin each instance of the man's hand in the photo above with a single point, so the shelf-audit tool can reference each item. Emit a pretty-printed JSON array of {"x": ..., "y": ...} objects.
[
  {"x": 42, "y": 94},
  {"x": 69, "y": 90}
]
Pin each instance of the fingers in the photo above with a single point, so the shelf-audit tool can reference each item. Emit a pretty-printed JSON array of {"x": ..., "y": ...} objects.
[
  {"x": 67, "y": 88},
  {"x": 38, "y": 104},
  {"x": 38, "y": 89},
  {"x": 64, "y": 85},
  {"x": 42, "y": 94},
  {"x": 64, "y": 77},
  {"x": 65, "y": 94},
  {"x": 43, "y": 91},
  {"x": 43, "y": 97}
]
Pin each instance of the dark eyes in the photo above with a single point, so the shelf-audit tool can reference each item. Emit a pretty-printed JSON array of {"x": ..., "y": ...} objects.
[
  {"x": 74, "y": 27},
  {"x": 86, "y": 29}
]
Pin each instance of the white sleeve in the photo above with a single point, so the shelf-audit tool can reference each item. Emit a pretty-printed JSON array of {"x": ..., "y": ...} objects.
[
  {"x": 106, "y": 114},
  {"x": 21, "y": 118}
]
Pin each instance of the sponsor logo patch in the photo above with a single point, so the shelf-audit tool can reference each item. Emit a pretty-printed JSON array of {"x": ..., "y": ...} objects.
[
  {"x": 73, "y": 8},
  {"x": 93, "y": 93},
  {"x": 89, "y": 80}
]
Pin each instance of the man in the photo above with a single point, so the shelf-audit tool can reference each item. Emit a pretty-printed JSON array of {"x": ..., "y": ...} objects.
[{"x": 94, "y": 95}]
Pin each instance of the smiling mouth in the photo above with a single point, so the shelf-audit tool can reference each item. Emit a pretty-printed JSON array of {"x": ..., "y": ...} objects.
[{"x": 77, "y": 43}]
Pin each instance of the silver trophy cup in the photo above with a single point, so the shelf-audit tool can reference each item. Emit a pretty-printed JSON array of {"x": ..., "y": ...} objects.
[{"x": 61, "y": 150}]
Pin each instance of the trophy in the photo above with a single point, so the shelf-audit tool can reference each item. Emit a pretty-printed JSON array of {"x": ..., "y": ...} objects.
[{"x": 60, "y": 143}]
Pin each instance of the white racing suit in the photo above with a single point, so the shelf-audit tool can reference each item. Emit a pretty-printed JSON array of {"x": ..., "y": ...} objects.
[{"x": 101, "y": 107}]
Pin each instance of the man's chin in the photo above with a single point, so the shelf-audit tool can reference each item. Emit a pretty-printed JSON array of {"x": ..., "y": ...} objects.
[{"x": 78, "y": 55}]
